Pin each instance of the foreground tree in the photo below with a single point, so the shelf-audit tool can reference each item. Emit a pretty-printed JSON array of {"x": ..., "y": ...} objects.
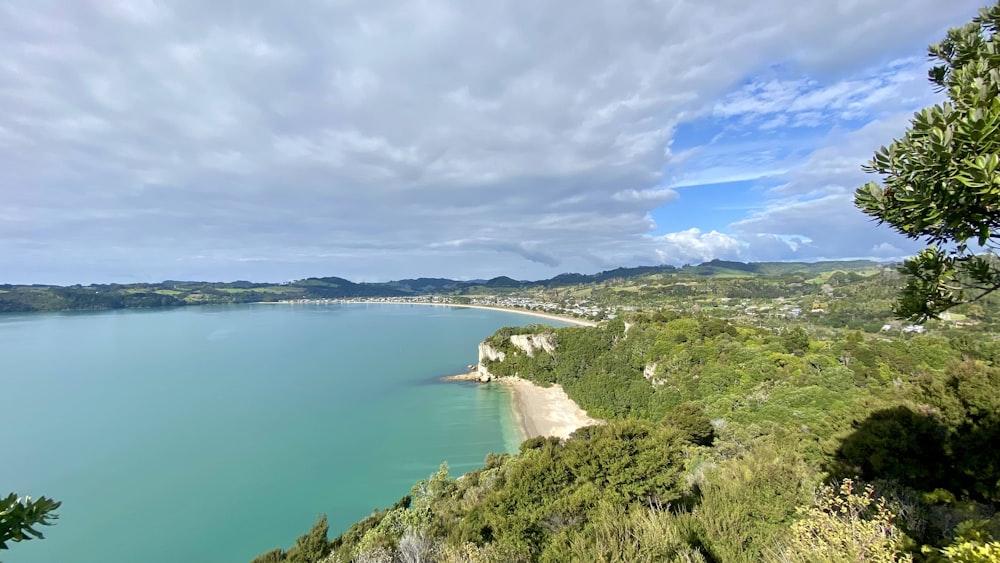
[
  {"x": 19, "y": 518},
  {"x": 941, "y": 180}
]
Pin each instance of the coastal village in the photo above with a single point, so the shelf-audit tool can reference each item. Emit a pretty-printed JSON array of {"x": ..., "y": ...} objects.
[
  {"x": 807, "y": 309},
  {"x": 581, "y": 310}
]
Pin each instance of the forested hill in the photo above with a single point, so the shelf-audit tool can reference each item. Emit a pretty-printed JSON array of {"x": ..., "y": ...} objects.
[
  {"x": 24, "y": 298},
  {"x": 724, "y": 442}
]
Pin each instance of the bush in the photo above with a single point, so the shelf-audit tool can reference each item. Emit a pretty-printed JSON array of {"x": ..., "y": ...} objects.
[{"x": 844, "y": 526}]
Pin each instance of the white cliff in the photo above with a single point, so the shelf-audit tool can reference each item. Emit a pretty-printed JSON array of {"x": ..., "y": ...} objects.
[
  {"x": 488, "y": 352},
  {"x": 531, "y": 342}
]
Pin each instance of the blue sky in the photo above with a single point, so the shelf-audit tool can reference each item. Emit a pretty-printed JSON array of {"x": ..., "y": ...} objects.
[{"x": 145, "y": 140}]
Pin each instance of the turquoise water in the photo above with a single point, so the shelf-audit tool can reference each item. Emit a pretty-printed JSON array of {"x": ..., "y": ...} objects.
[{"x": 217, "y": 433}]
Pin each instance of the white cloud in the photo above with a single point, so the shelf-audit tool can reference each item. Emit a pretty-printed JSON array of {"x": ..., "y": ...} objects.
[
  {"x": 355, "y": 138},
  {"x": 826, "y": 227},
  {"x": 651, "y": 196},
  {"x": 805, "y": 102},
  {"x": 693, "y": 246},
  {"x": 835, "y": 166}
]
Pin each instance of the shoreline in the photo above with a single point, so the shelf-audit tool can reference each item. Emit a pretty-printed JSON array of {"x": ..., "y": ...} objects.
[
  {"x": 544, "y": 411},
  {"x": 549, "y": 316},
  {"x": 536, "y": 410}
]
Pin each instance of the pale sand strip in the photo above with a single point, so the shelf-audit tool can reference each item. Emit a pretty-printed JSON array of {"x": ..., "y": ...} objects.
[
  {"x": 550, "y": 316},
  {"x": 545, "y": 411}
]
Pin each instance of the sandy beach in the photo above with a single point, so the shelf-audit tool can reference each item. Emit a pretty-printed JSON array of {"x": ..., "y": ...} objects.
[
  {"x": 551, "y": 317},
  {"x": 572, "y": 320},
  {"x": 545, "y": 411}
]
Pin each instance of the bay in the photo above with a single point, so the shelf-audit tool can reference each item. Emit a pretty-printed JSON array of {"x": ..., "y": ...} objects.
[{"x": 217, "y": 433}]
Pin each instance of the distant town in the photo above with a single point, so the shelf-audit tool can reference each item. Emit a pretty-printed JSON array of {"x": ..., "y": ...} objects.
[{"x": 580, "y": 309}]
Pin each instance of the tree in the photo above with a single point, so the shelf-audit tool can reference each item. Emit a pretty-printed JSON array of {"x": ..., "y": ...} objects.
[
  {"x": 20, "y": 516},
  {"x": 312, "y": 546},
  {"x": 796, "y": 341},
  {"x": 693, "y": 423},
  {"x": 941, "y": 180}
]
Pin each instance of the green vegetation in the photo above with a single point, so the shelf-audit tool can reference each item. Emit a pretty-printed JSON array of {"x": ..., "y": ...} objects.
[
  {"x": 757, "y": 413},
  {"x": 23, "y": 298},
  {"x": 942, "y": 178},
  {"x": 732, "y": 392},
  {"x": 844, "y": 526},
  {"x": 754, "y": 412},
  {"x": 20, "y": 518},
  {"x": 719, "y": 438}
]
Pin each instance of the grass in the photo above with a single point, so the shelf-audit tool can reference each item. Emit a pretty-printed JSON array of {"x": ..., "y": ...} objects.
[
  {"x": 269, "y": 289},
  {"x": 628, "y": 289}
]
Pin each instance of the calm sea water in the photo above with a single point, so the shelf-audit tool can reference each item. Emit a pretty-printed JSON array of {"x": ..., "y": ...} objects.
[{"x": 216, "y": 433}]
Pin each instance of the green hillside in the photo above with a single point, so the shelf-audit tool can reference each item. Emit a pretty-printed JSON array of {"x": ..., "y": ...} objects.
[
  {"x": 719, "y": 435},
  {"x": 171, "y": 293}
]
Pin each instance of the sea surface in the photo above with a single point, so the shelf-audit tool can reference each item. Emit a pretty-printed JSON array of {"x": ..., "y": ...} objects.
[{"x": 217, "y": 433}]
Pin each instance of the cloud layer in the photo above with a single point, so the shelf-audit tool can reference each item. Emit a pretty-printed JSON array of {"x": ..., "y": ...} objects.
[{"x": 144, "y": 140}]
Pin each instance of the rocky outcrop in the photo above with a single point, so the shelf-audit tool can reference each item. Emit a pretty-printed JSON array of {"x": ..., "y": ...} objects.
[
  {"x": 649, "y": 371},
  {"x": 528, "y": 343},
  {"x": 472, "y": 375},
  {"x": 531, "y": 342},
  {"x": 488, "y": 352}
]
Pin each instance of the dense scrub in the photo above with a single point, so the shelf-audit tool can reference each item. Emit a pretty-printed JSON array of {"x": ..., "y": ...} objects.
[{"x": 719, "y": 440}]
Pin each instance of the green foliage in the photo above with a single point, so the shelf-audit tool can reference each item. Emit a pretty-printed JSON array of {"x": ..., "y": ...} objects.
[
  {"x": 747, "y": 503},
  {"x": 972, "y": 552},
  {"x": 968, "y": 406},
  {"x": 20, "y": 518},
  {"x": 639, "y": 535},
  {"x": 310, "y": 547},
  {"x": 273, "y": 556},
  {"x": 717, "y": 433},
  {"x": 974, "y": 543},
  {"x": 942, "y": 178},
  {"x": 844, "y": 526},
  {"x": 900, "y": 444},
  {"x": 796, "y": 341},
  {"x": 946, "y": 442},
  {"x": 694, "y": 425},
  {"x": 533, "y": 506}
]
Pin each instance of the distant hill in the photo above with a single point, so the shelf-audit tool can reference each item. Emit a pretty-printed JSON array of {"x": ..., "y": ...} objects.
[
  {"x": 503, "y": 282},
  {"x": 724, "y": 267},
  {"x": 171, "y": 293},
  {"x": 425, "y": 285},
  {"x": 625, "y": 273}
]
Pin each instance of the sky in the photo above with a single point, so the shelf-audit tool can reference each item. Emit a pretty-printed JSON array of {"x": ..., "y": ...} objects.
[{"x": 143, "y": 140}]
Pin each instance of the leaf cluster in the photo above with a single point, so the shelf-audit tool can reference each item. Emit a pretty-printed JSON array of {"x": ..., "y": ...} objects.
[
  {"x": 941, "y": 180},
  {"x": 20, "y": 518}
]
